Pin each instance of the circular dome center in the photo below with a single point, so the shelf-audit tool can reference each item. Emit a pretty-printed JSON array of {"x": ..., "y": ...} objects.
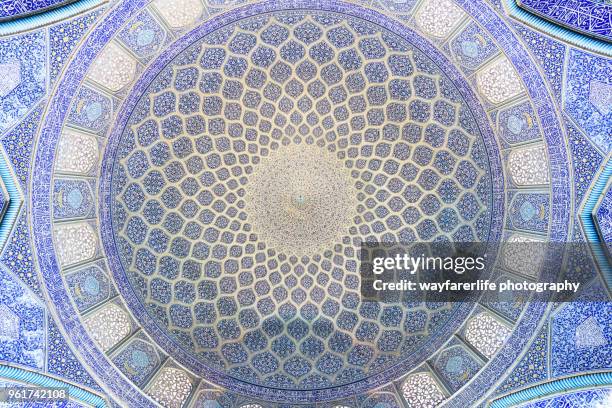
[
  {"x": 300, "y": 200},
  {"x": 253, "y": 163}
]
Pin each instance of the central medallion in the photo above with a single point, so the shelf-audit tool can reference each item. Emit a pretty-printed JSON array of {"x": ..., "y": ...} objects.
[{"x": 301, "y": 200}]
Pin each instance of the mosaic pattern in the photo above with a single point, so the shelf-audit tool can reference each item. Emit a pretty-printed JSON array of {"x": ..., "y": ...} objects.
[
  {"x": 486, "y": 334},
  {"x": 603, "y": 218},
  {"x": 91, "y": 111},
  {"x": 171, "y": 388},
  {"x": 588, "y": 339},
  {"x": 528, "y": 166},
  {"x": 138, "y": 360},
  {"x": 421, "y": 390},
  {"x": 586, "y": 160},
  {"x": 456, "y": 366},
  {"x": 517, "y": 123},
  {"x": 22, "y": 331},
  {"x": 18, "y": 144},
  {"x": 579, "y": 399},
  {"x": 144, "y": 36},
  {"x": 472, "y": 47},
  {"x": 588, "y": 336},
  {"x": 587, "y": 16},
  {"x": 61, "y": 360},
  {"x": 90, "y": 286},
  {"x": 17, "y": 255},
  {"x": 64, "y": 37},
  {"x": 588, "y": 96},
  {"x": 190, "y": 198},
  {"x": 73, "y": 199},
  {"x": 22, "y": 85},
  {"x": 532, "y": 368},
  {"x": 187, "y": 182},
  {"x": 499, "y": 82},
  {"x": 529, "y": 212},
  {"x": 549, "y": 53},
  {"x": 18, "y": 8}
]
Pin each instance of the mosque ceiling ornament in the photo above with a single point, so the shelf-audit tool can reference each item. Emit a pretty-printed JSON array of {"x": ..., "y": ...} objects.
[
  {"x": 592, "y": 17},
  {"x": 20, "y": 8},
  {"x": 286, "y": 189},
  {"x": 201, "y": 174}
]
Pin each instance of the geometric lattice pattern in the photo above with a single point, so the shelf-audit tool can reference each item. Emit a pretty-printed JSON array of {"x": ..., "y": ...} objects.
[{"x": 184, "y": 186}]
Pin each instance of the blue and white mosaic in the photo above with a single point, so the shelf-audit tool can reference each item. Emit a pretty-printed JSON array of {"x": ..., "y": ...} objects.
[
  {"x": 64, "y": 37},
  {"x": 579, "y": 399},
  {"x": 23, "y": 65},
  {"x": 22, "y": 331},
  {"x": 587, "y": 337},
  {"x": 588, "y": 96},
  {"x": 161, "y": 181},
  {"x": 603, "y": 218},
  {"x": 18, "y": 8},
  {"x": 144, "y": 36},
  {"x": 518, "y": 123},
  {"x": 186, "y": 182},
  {"x": 592, "y": 17}
]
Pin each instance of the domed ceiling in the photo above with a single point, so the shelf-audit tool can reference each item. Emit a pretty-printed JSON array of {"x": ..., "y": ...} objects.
[
  {"x": 186, "y": 186},
  {"x": 250, "y": 168}
]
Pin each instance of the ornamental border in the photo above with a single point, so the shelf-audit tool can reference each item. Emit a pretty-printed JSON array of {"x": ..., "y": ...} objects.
[
  {"x": 45, "y": 16},
  {"x": 556, "y": 30}
]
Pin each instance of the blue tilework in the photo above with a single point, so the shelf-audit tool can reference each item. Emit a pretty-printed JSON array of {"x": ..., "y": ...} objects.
[
  {"x": 586, "y": 160},
  {"x": 580, "y": 265},
  {"x": 588, "y": 96},
  {"x": 4, "y": 200},
  {"x": 507, "y": 304},
  {"x": 456, "y": 366},
  {"x": 586, "y": 217},
  {"x": 65, "y": 36},
  {"x": 40, "y": 404},
  {"x": 23, "y": 64},
  {"x": 91, "y": 110},
  {"x": 138, "y": 360},
  {"x": 18, "y": 144},
  {"x": 532, "y": 368},
  {"x": 529, "y": 211},
  {"x": 548, "y": 118},
  {"x": 61, "y": 360},
  {"x": 19, "y": 8},
  {"x": 73, "y": 199},
  {"x": 227, "y": 328},
  {"x": 587, "y": 16},
  {"x": 395, "y": 6},
  {"x": 603, "y": 218},
  {"x": 581, "y": 338},
  {"x": 22, "y": 320},
  {"x": 472, "y": 47},
  {"x": 20, "y": 377},
  {"x": 17, "y": 255},
  {"x": 549, "y": 53},
  {"x": 65, "y": 309},
  {"x": 558, "y": 224},
  {"x": 144, "y": 35},
  {"x": 298, "y": 373},
  {"x": 578, "y": 399},
  {"x": 90, "y": 286},
  {"x": 518, "y": 123}
]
